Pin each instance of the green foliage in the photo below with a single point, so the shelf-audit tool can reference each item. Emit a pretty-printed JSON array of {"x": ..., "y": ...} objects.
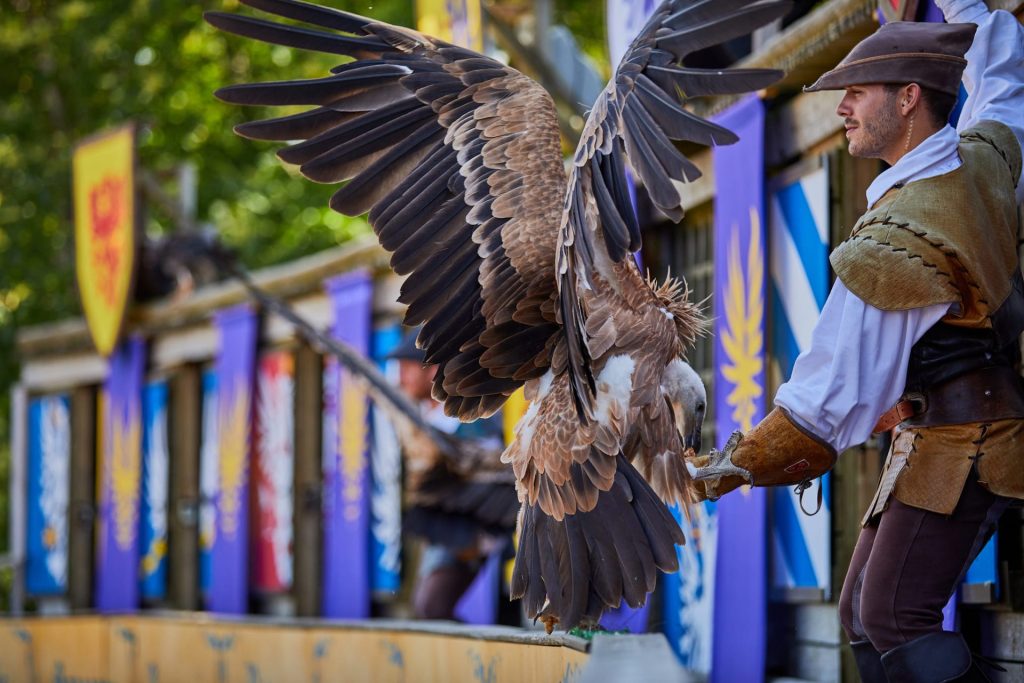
[{"x": 586, "y": 20}]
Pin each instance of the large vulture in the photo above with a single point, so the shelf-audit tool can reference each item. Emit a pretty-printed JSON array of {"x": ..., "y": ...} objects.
[{"x": 520, "y": 274}]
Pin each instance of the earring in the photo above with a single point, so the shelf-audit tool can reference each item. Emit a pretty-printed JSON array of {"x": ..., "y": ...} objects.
[{"x": 910, "y": 132}]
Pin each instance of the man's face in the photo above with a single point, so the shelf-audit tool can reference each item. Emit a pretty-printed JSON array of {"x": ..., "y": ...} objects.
[
  {"x": 415, "y": 379},
  {"x": 873, "y": 124}
]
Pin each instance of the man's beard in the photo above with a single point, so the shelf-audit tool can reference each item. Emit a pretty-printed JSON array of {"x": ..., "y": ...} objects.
[{"x": 877, "y": 134}]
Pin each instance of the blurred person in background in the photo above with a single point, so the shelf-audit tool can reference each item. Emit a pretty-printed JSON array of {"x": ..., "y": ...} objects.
[{"x": 463, "y": 511}]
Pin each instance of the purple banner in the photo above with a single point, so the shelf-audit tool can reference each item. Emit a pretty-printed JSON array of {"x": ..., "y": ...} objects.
[
  {"x": 740, "y": 606},
  {"x": 117, "y": 544},
  {"x": 479, "y": 604},
  {"x": 347, "y": 559},
  {"x": 235, "y": 369}
]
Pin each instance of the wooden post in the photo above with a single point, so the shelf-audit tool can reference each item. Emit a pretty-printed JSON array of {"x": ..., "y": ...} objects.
[
  {"x": 183, "y": 513},
  {"x": 308, "y": 516},
  {"x": 82, "y": 497},
  {"x": 856, "y": 473}
]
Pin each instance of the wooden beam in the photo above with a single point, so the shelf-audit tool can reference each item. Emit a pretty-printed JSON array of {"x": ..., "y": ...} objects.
[
  {"x": 289, "y": 280},
  {"x": 59, "y": 373}
]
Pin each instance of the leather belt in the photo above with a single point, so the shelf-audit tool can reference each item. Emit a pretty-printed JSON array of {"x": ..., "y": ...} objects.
[
  {"x": 984, "y": 395},
  {"x": 903, "y": 410}
]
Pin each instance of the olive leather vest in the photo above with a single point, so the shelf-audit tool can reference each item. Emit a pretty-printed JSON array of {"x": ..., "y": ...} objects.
[{"x": 949, "y": 239}]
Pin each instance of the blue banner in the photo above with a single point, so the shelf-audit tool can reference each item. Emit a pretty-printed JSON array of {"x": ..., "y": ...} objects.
[
  {"x": 235, "y": 367},
  {"x": 155, "y": 490},
  {"x": 386, "y": 500},
  {"x": 798, "y": 239},
  {"x": 347, "y": 560},
  {"x": 740, "y": 605},
  {"x": 49, "y": 465},
  {"x": 208, "y": 482},
  {"x": 120, "y": 471},
  {"x": 689, "y": 593}
]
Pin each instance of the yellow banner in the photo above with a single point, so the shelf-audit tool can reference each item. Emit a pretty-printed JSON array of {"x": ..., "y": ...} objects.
[
  {"x": 105, "y": 232},
  {"x": 455, "y": 21}
]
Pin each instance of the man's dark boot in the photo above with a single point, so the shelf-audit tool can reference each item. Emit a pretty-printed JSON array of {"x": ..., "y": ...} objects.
[
  {"x": 941, "y": 657},
  {"x": 869, "y": 662}
]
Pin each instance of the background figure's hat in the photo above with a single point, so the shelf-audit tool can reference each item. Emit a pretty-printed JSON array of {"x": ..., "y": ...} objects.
[
  {"x": 406, "y": 349},
  {"x": 929, "y": 54}
]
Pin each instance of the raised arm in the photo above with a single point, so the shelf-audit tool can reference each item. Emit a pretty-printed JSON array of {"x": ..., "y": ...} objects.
[{"x": 994, "y": 76}]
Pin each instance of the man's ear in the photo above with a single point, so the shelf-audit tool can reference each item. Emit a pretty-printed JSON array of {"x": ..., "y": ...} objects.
[{"x": 910, "y": 98}]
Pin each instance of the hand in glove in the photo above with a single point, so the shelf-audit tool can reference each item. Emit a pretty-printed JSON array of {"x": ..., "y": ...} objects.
[{"x": 775, "y": 452}]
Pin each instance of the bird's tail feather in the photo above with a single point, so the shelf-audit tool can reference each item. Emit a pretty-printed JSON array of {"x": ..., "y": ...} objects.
[{"x": 575, "y": 568}]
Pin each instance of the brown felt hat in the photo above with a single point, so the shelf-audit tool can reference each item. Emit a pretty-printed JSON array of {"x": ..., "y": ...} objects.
[{"x": 929, "y": 54}]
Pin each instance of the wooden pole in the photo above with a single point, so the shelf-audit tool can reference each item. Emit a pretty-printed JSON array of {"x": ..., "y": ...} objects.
[
  {"x": 308, "y": 480},
  {"x": 82, "y": 497},
  {"x": 183, "y": 516}
]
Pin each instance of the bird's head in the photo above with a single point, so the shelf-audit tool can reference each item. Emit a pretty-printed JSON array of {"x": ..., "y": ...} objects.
[{"x": 689, "y": 399}]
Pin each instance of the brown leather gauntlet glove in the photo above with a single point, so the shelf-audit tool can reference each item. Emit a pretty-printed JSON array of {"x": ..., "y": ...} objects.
[{"x": 775, "y": 452}]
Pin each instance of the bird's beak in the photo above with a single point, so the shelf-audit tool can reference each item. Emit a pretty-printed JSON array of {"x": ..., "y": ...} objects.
[{"x": 692, "y": 439}]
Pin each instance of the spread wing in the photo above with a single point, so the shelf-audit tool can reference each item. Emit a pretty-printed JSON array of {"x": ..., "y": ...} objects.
[
  {"x": 458, "y": 161},
  {"x": 636, "y": 119},
  {"x": 593, "y": 531}
]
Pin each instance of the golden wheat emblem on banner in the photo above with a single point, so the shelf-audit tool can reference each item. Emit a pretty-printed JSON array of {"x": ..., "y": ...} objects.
[{"x": 743, "y": 337}]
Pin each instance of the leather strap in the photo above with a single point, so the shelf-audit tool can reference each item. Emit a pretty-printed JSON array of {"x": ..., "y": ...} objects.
[
  {"x": 985, "y": 395},
  {"x": 903, "y": 410}
]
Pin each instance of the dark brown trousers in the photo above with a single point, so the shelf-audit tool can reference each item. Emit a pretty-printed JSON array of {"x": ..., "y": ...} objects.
[{"x": 908, "y": 563}]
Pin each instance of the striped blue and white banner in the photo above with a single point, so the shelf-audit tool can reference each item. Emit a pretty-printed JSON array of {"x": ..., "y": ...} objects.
[
  {"x": 798, "y": 225},
  {"x": 386, "y": 467}
]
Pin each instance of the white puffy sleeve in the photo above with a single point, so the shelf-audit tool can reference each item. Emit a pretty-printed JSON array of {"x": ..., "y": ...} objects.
[{"x": 855, "y": 368}]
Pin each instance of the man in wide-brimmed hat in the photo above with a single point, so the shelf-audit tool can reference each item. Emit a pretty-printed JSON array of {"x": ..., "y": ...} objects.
[
  {"x": 921, "y": 328},
  {"x": 461, "y": 516}
]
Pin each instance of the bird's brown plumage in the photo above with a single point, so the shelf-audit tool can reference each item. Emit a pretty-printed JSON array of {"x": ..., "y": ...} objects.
[{"x": 520, "y": 274}]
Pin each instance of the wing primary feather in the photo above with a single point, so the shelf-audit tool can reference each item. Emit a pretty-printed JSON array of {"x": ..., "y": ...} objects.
[
  {"x": 439, "y": 162},
  {"x": 303, "y": 125},
  {"x": 363, "y": 191},
  {"x": 448, "y": 221},
  {"x": 312, "y": 14},
  {"x": 313, "y": 91},
  {"x": 723, "y": 28},
  {"x": 346, "y": 135},
  {"x": 423, "y": 197},
  {"x": 692, "y": 82},
  {"x": 648, "y": 166},
  {"x": 703, "y": 11},
  {"x": 616, "y": 232},
  {"x": 294, "y": 36},
  {"x": 345, "y": 160},
  {"x": 613, "y": 170},
  {"x": 678, "y": 123}
]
